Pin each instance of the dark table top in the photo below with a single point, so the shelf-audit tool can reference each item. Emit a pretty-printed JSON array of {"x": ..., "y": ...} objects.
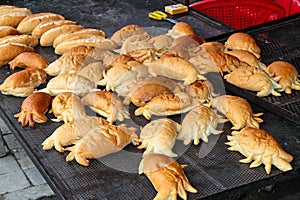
[{"x": 217, "y": 174}]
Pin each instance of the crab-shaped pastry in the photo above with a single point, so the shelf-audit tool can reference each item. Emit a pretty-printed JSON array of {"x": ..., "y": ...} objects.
[
  {"x": 167, "y": 176},
  {"x": 238, "y": 111},
  {"x": 260, "y": 147},
  {"x": 68, "y": 64},
  {"x": 33, "y": 109},
  {"x": 202, "y": 90},
  {"x": 128, "y": 87},
  {"x": 216, "y": 61},
  {"x": 29, "y": 60},
  {"x": 198, "y": 124},
  {"x": 247, "y": 57},
  {"x": 176, "y": 68},
  {"x": 106, "y": 104},
  {"x": 67, "y": 107},
  {"x": 69, "y": 132},
  {"x": 166, "y": 104},
  {"x": 288, "y": 75},
  {"x": 159, "y": 136},
  {"x": 93, "y": 71},
  {"x": 254, "y": 79},
  {"x": 120, "y": 72},
  {"x": 23, "y": 83},
  {"x": 242, "y": 41},
  {"x": 74, "y": 83},
  {"x": 110, "y": 138}
]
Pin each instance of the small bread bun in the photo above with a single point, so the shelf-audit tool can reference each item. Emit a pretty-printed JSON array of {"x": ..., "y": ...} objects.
[
  {"x": 127, "y": 31},
  {"x": 180, "y": 29},
  {"x": 46, "y": 25},
  {"x": 29, "y": 60},
  {"x": 20, "y": 39},
  {"x": 12, "y": 16},
  {"x": 27, "y": 25},
  {"x": 8, "y": 30},
  {"x": 10, "y": 50},
  {"x": 49, "y": 36}
]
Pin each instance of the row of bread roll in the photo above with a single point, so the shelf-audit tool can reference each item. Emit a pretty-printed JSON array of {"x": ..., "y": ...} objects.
[{"x": 12, "y": 15}]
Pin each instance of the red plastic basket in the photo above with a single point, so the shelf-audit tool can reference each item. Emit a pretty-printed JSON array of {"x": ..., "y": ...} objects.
[{"x": 241, "y": 13}]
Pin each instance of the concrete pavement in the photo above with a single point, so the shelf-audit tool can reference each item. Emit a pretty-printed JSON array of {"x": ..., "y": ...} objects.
[{"x": 19, "y": 178}]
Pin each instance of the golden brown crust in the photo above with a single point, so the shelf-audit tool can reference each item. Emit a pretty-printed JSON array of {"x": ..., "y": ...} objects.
[
  {"x": 48, "y": 37},
  {"x": 27, "y": 40},
  {"x": 47, "y": 25},
  {"x": 12, "y": 15},
  {"x": 8, "y": 30},
  {"x": 33, "y": 109},
  {"x": 9, "y": 51},
  {"x": 27, "y": 25},
  {"x": 213, "y": 46},
  {"x": 29, "y": 60},
  {"x": 180, "y": 29}
]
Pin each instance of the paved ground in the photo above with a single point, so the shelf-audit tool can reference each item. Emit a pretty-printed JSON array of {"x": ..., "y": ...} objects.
[{"x": 19, "y": 178}]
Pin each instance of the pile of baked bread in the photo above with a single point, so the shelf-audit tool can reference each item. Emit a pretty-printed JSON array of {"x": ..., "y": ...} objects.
[{"x": 161, "y": 75}]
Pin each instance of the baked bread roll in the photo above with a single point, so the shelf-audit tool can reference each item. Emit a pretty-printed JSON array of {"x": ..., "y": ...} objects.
[
  {"x": 106, "y": 104},
  {"x": 88, "y": 40},
  {"x": 213, "y": 46},
  {"x": 8, "y": 30},
  {"x": 120, "y": 35},
  {"x": 44, "y": 26},
  {"x": 242, "y": 41},
  {"x": 159, "y": 136},
  {"x": 166, "y": 175},
  {"x": 48, "y": 37},
  {"x": 77, "y": 35},
  {"x": 27, "y": 25},
  {"x": 23, "y": 83},
  {"x": 202, "y": 90},
  {"x": 74, "y": 83},
  {"x": 12, "y": 15},
  {"x": 238, "y": 111},
  {"x": 95, "y": 52},
  {"x": 68, "y": 64},
  {"x": 253, "y": 79},
  {"x": 161, "y": 43},
  {"x": 67, "y": 107},
  {"x": 69, "y": 132},
  {"x": 289, "y": 78},
  {"x": 175, "y": 68},
  {"x": 198, "y": 124},
  {"x": 33, "y": 109},
  {"x": 121, "y": 72},
  {"x": 247, "y": 57},
  {"x": 166, "y": 104},
  {"x": 110, "y": 138},
  {"x": 181, "y": 29},
  {"x": 27, "y": 40},
  {"x": 93, "y": 71},
  {"x": 260, "y": 147},
  {"x": 10, "y": 50},
  {"x": 29, "y": 60}
]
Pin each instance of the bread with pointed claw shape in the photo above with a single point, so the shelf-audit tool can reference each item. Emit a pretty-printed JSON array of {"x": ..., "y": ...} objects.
[
  {"x": 198, "y": 124},
  {"x": 67, "y": 107},
  {"x": 242, "y": 41},
  {"x": 238, "y": 111},
  {"x": 69, "y": 132},
  {"x": 159, "y": 136},
  {"x": 106, "y": 104},
  {"x": 202, "y": 90},
  {"x": 166, "y": 104},
  {"x": 247, "y": 57},
  {"x": 254, "y": 79},
  {"x": 167, "y": 176},
  {"x": 23, "y": 83},
  {"x": 110, "y": 138},
  {"x": 260, "y": 147},
  {"x": 33, "y": 109},
  {"x": 289, "y": 78}
]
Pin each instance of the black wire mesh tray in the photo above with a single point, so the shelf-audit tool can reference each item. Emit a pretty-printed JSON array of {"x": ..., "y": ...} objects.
[{"x": 279, "y": 40}]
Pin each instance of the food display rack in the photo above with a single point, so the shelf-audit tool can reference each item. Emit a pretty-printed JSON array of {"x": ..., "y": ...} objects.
[{"x": 213, "y": 170}]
